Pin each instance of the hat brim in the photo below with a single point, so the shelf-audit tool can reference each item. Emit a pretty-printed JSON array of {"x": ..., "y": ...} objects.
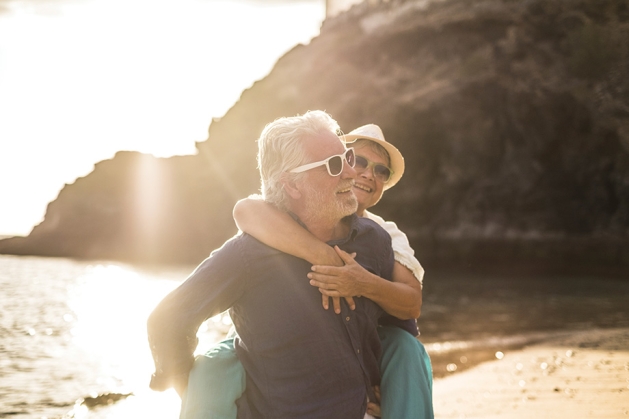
[{"x": 397, "y": 160}]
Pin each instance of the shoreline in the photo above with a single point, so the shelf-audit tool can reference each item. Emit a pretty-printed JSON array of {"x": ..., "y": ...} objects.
[
  {"x": 450, "y": 357},
  {"x": 582, "y": 374}
]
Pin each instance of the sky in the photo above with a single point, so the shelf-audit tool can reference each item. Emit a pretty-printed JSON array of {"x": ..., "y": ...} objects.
[{"x": 83, "y": 79}]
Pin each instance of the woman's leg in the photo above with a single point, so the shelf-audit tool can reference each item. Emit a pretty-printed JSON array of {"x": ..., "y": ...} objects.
[
  {"x": 406, "y": 386},
  {"x": 216, "y": 381}
]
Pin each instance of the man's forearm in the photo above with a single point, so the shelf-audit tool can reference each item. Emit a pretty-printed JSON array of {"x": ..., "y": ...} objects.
[{"x": 172, "y": 351}]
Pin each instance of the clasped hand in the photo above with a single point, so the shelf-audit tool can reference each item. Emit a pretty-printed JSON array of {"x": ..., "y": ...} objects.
[{"x": 339, "y": 282}]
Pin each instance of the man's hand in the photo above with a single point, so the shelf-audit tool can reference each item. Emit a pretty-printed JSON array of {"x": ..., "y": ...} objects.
[
  {"x": 373, "y": 407},
  {"x": 180, "y": 384},
  {"x": 338, "y": 282}
]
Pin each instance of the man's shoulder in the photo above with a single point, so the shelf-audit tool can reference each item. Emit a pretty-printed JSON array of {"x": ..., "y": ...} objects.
[
  {"x": 368, "y": 229},
  {"x": 243, "y": 244},
  {"x": 372, "y": 245},
  {"x": 238, "y": 253},
  {"x": 241, "y": 241},
  {"x": 374, "y": 217}
]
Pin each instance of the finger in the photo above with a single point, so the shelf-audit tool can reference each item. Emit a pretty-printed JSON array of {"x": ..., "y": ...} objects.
[
  {"x": 325, "y": 301},
  {"x": 350, "y": 303},
  {"x": 347, "y": 258},
  {"x": 326, "y": 270},
  {"x": 323, "y": 277},
  {"x": 336, "y": 301},
  {"x": 330, "y": 293},
  {"x": 376, "y": 390},
  {"x": 321, "y": 284}
]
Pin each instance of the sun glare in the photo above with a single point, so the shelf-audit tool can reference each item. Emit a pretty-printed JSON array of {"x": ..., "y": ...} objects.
[
  {"x": 109, "y": 307},
  {"x": 82, "y": 80},
  {"x": 149, "y": 200}
]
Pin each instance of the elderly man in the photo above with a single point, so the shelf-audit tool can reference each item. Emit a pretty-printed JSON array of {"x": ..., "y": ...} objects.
[{"x": 300, "y": 361}]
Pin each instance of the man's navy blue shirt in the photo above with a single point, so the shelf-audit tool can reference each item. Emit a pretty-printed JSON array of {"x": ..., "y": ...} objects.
[{"x": 301, "y": 361}]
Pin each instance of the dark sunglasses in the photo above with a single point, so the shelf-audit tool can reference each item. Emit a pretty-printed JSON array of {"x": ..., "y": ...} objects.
[
  {"x": 380, "y": 171},
  {"x": 334, "y": 164}
]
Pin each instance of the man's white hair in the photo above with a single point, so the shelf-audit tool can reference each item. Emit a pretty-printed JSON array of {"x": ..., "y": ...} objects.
[{"x": 280, "y": 149}]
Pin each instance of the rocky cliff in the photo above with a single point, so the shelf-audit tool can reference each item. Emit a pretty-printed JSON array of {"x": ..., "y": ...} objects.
[{"x": 513, "y": 117}]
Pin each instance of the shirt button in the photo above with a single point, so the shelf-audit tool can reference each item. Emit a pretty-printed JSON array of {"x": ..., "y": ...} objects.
[
  {"x": 347, "y": 318},
  {"x": 357, "y": 351}
]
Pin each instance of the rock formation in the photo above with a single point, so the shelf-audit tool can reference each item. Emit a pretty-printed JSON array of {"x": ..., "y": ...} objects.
[{"x": 513, "y": 117}]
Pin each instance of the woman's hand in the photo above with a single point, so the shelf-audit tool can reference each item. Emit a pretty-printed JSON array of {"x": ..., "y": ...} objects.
[
  {"x": 339, "y": 282},
  {"x": 336, "y": 303},
  {"x": 401, "y": 297}
]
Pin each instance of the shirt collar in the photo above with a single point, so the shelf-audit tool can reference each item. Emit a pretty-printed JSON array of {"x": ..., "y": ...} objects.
[{"x": 354, "y": 228}]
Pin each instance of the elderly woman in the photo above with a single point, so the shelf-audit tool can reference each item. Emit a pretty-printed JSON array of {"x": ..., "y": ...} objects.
[{"x": 216, "y": 380}]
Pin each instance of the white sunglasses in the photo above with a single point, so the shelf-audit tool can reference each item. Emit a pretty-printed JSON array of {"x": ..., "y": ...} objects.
[{"x": 334, "y": 164}]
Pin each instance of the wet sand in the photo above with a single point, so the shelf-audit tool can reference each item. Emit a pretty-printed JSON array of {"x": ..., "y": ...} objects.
[{"x": 578, "y": 374}]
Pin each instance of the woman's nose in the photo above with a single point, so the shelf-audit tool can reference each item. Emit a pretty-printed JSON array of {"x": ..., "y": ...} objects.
[{"x": 366, "y": 173}]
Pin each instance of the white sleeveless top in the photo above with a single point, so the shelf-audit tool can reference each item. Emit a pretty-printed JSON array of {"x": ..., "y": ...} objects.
[{"x": 402, "y": 250}]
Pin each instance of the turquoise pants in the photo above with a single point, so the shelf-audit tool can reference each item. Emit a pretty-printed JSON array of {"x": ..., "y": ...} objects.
[
  {"x": 217, "y": 380},
  {"x": 406, "y": 383}
]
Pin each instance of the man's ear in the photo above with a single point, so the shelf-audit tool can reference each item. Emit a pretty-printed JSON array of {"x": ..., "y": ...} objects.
[{"x": 290, "y": 186}]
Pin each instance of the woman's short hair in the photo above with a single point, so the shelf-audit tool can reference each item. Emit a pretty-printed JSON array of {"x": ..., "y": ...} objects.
[
  {"x": 280, "y": 149},
  {"x": 375, "y": 147}
]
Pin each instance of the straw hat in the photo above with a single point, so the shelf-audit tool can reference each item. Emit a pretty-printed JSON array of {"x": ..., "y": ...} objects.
[{"x": 373, "y": 133}]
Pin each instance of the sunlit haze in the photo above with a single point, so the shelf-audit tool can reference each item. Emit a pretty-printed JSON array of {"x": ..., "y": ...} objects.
[{"x": 80, "y": 80}]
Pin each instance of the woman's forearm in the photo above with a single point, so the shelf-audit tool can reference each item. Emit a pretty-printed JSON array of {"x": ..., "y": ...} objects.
[
  {"x": 277, "y": 229},
  {"x": 401, "y": 297}
]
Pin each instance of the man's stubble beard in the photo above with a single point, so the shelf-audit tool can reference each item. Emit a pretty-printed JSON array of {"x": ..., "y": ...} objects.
[{"x": 329, "y": 205}]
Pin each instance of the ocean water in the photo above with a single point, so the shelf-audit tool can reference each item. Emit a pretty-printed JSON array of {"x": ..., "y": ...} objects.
[{"x": 71, "y": 330}]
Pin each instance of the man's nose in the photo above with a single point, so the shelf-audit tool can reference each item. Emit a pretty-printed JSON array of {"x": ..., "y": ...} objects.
[{"x": 348, "y": 171}]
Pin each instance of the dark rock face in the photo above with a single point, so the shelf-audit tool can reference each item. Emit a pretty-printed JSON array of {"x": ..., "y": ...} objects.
[
  {"x": 513, "y": 117},
  {"x": 135, "y": 207}
]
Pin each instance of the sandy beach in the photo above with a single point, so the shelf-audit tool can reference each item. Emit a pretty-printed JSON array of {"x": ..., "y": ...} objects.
[{"x": 579, "y": 374}]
